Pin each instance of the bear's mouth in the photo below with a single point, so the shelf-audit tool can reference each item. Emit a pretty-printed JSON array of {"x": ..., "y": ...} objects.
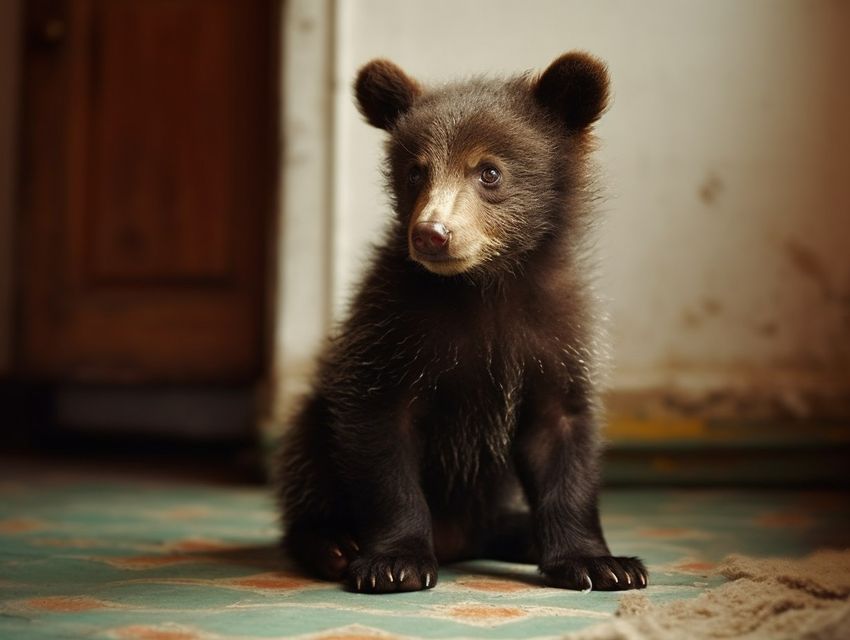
[
  {"x": 419, "y": 257},
  {"x": 443, "y": 265}
]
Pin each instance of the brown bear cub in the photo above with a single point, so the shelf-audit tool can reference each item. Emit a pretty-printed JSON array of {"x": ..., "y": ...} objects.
[{"x": 454, "y": 413}]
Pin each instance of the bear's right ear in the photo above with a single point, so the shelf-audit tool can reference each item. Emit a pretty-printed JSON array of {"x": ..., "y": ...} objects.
[
  {"x": 384, "y": 92},
  {"x": 575, "y": 89}
]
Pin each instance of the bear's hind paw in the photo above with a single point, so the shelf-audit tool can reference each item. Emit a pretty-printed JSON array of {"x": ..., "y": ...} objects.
[{"x": 604, "y": 573}]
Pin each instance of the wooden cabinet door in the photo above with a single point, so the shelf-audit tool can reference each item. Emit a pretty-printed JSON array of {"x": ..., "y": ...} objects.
[{"x": 147, "y": 168}]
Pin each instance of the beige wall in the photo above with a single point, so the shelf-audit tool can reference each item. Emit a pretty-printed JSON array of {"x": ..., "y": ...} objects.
[
  {"x": 724, "y": 240},
  {"x": 9, "y": 32}
]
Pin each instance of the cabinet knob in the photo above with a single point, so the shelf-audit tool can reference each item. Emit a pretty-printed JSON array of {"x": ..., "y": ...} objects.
[{"x": 52, "y": 31}]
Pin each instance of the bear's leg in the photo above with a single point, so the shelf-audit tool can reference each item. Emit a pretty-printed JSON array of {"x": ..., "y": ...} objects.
[
  {"x": 556, "y": 458},
  {"x": 322, "y": 550},
  {"x": 379, "y": 465},
  {"x": 397, "y": 552},
  {"x": 318, "y": 530}
]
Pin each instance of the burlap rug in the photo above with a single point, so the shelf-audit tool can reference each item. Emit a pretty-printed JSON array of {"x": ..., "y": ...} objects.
[{"x": 770, "y": 598}]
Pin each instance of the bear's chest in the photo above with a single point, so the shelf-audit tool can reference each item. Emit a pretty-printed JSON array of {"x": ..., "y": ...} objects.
[{"x": 465, "y": 406}]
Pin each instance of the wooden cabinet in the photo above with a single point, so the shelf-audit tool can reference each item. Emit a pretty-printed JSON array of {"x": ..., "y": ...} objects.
[{"x": 148, "y": 143}]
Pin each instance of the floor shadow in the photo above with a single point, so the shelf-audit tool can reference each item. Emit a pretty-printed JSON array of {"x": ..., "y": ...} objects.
[
  {"x": 262, "y": 557},
  {"x": 496, "y": 569},
  {"x": 273, "y": 559}
]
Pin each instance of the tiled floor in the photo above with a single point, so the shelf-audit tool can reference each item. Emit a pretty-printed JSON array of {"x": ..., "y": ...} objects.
[{"x": 118, "y": 556}]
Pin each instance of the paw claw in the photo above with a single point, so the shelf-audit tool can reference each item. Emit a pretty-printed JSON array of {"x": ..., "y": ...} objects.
[
  {"x": 381, "y": 573},
  {"x": 600, "y": 573},
  {"x": 336, "y": 552}
]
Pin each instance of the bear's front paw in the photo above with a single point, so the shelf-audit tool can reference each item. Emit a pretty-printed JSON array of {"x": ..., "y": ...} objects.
[
  {"x": 388, "y": 573},
  {"x": 604, "y": 573}
]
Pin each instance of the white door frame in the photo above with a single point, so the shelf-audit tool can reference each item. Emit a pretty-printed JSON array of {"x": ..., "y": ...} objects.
[{"x": 302, "y": 284}]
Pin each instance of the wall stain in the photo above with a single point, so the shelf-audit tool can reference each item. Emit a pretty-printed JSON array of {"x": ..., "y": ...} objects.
[
  {"x": 306, "y": 25},
  {"x": 691, "y": 319},
  {"x": 808, "y": 264},
  {"x": 710, "y": 189},
  {"x": 711, "y": 306},
  {"x": 767, "y": 329},
  {"x": 707, "y": 308}
]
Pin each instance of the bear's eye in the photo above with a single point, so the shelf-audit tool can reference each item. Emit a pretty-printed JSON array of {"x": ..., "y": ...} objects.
[
  {"x": 490, "y": 176},
  {"x": 415, "y": 175}
]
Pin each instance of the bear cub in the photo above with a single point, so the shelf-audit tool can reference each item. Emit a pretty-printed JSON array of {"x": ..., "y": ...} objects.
[{"x": 454, "y": 414}]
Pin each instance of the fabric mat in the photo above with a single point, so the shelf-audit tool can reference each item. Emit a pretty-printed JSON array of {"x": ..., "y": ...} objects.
[
  {"x": 96, "y": 556},
  {"x": 766, "y": 599}
]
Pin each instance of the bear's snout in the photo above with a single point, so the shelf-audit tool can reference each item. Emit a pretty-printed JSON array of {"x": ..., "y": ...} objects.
[{"x": 431, "y": 239}]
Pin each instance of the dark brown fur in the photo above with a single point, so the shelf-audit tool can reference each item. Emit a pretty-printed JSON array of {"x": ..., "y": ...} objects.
[{"x": 454, "y": 413}]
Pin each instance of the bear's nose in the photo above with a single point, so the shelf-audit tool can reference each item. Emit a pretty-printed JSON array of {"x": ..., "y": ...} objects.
[{"x": 431, "y": 238}]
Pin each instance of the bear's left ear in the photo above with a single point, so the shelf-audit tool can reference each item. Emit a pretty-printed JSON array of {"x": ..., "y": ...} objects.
[
  {"x": 575, "y": 89},
  {"x": 384, "y": 92}
]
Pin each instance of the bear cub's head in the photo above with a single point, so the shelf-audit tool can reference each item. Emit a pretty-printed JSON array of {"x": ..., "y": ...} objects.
[{"x": 483, "y": 172}]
